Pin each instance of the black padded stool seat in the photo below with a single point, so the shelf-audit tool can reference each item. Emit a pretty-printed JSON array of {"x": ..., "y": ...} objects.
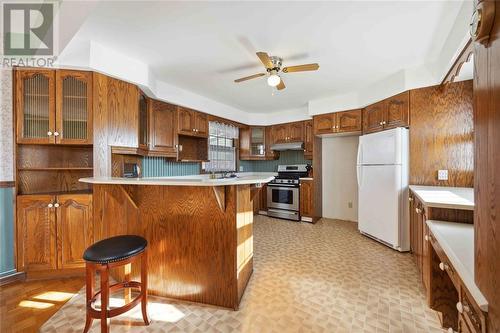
[{"x": 115, "y": 249}]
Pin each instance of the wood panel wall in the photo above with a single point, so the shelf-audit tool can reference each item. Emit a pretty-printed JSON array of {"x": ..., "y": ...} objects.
[
  {"x": 487, "y": 171},
  {"x": 441, "y": 134},
  {"x": 116, "y": 119}
]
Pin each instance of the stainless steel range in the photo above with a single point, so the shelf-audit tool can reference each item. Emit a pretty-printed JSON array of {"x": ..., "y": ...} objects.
[{"x": 283, "y": 192}]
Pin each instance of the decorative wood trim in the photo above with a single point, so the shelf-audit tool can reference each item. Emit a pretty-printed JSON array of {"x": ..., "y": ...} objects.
[
  {"x": 465, "y": 56},
  {"x": 220, "y": 196},
  {"x": 7, "y": 184},
  {"x": 18, "y": 276}
]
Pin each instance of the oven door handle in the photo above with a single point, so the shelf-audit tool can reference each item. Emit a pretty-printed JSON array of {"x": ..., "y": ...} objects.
[{"x": 281, "y": 185}]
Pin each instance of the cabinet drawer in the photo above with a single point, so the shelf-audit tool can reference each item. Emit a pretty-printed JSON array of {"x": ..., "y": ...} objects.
[
  {"x": 445, "y": 264},
  {"x": 470, "y": 312}
]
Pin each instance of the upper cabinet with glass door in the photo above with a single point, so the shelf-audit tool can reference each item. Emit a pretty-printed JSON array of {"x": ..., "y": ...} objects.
[{"x": 53, "y": 106}]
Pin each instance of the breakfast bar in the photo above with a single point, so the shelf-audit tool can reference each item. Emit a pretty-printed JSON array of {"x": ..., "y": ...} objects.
[{"x": 199, "y": 231}]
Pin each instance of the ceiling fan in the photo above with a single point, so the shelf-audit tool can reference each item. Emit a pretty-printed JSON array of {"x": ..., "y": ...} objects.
[{"x": 273, "y": 67}]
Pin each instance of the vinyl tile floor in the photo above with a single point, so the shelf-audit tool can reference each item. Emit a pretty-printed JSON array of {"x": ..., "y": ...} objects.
[{"x": 325, "y": 277}]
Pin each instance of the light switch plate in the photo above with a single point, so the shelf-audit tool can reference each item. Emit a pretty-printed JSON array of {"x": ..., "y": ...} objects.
[{"x": 442, "y": 174}]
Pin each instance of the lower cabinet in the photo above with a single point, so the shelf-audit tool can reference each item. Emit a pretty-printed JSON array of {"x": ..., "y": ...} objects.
[
  {"x": 53, "y": 231},
  {"x": 306, "y": 198}
]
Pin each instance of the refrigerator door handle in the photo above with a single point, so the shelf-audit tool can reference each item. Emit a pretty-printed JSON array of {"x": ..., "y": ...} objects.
[
  {"x": 359, "y": 174},
  {"x": 360, "y": 147}
]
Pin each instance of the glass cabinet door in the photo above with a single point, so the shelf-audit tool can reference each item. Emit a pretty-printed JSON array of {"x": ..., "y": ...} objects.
[
  {"x": 35, "y": 103},
  {"x": 74, "y": 107},
  {"x": 257, "y": 141}
]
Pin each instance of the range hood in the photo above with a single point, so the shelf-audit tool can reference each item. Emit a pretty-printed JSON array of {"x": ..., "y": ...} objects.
[{"x": 288, "y": 146}]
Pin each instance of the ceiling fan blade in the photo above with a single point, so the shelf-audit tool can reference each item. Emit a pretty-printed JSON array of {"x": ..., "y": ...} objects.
[
  {"x": 281, "y": 85},
  {"x": 264, "y": 57},
  {"x": 249, "y": 77},
  {"x": 301, "y": 68}
]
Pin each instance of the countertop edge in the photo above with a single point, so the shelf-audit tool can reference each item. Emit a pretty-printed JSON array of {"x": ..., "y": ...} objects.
[
  {"x": 457, "y": 263},
  {"x": 433, "y": 204},
  {"x": 160, "y": 182}
]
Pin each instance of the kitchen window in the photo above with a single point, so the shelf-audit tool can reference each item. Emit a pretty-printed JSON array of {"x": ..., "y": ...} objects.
[{"x": 221, "y": 147}]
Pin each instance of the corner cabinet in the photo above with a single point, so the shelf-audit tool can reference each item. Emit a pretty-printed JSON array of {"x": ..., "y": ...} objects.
[
  {"x": 53, "y": 106},
  {"x": 389, "y": 113},
  {"x": 53, "y": 231}
]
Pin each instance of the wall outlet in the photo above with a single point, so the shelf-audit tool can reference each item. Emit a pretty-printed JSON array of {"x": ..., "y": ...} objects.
[
  {"x": 442, "y": 174},
  {"x": 241, "y": 168},
  {"x": 349, "y": 204}
]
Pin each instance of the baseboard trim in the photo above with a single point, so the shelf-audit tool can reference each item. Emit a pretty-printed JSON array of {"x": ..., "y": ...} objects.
[{"x": 18, "y": 276}]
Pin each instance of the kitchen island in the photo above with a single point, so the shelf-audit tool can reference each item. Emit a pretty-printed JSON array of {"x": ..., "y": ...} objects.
[{"x": 199, "y": 231}]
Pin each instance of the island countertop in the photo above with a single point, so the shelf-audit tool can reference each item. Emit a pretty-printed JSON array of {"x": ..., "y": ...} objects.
[
  {"x": 445, "y": 197},
  {"x": 247, "y": 178}
]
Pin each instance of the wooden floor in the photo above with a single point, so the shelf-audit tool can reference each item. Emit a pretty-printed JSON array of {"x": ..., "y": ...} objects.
[{"x": 25, "y": 306}]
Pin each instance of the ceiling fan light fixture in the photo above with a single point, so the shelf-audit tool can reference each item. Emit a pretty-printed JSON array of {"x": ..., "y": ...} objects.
[{"x": 273, "y": 80}]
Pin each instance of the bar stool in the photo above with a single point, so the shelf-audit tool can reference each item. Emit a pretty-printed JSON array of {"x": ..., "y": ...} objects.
[{"x": 109, "y": 253}]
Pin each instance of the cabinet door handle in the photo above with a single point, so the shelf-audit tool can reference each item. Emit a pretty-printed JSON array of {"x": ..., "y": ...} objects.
[
  {"x": 443, "y": 266},
  {"x": 426, "y": 238},
  {"x": 56, "y": 133},
  {"x": 460, "y": 307},
  {"x": 418, "y": 210},
  {"x": 383, "y": 123},
  {"x": 410, "y": 199},
  {"x": 49, "y": 133},
  {"x": 56, "y": 205},
  {"x": 50, "y": 205}
]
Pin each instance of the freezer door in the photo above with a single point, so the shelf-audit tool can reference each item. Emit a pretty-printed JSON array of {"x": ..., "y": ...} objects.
[
  {"x": 379, "y": 202},
  {"x": 381, "y": 148}
]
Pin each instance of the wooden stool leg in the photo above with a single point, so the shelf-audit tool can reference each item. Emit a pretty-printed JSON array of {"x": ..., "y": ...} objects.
[
  {"x": 127, "y": 292},
  {"x": 144, "y": 286},
  {"x": 90, "y": 280},
  {"x": 104, "y": 298}
]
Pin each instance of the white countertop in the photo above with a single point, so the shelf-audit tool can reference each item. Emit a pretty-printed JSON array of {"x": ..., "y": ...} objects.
[
  {"x": 445, "y": 197},
  {"x": 457, "y": 241},
  {"x": 195, "y": 180}
]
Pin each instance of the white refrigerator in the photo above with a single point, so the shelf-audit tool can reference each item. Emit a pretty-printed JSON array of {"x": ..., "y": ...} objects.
[{"x": 383, "y": 172}]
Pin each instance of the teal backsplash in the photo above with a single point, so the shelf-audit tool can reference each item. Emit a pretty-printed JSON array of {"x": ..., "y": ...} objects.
[
  {"x": 161, "y": 167},
  {"x": 6, "y": 231},
  {"x": 286, "y": 157}
]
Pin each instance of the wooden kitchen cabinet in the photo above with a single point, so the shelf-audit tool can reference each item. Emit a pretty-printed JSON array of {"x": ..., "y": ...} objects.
[
  {"x": 36, "y": 233},
  {"x": 338, "y": 122},
  {"x": 398, "y": 111},
  {"x": 53, "y": 106},
  {"x": 306, "y": 198},
  {"x": 373, "y": 117},
  {"x": 192, "y": 123},
  {"x": 162, "y": 131},
  {"x": 290, "y": 132},
  {"x": 349, "y": 121},
  {"x": 270, "y": 154},
  {"x": 143, "y": 107},
  {"x": 324, "y": 123},
  {"x": 308, "y": 139},
  {"x": 74, "y": 229},
  {"x": 53, "y": 231},
  {"x": 389, "y": 113},
  {"x": 280, "y": 133},
  {"x": 296, "y": 131},
  {"x": 74, "y": 107}
]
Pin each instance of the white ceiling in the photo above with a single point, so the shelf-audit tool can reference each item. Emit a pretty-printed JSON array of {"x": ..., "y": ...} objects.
[{"x": 203, "y": 46}]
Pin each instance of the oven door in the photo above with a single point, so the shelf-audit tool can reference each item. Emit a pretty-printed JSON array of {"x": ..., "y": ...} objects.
[{"x": 283, "y": 196}]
